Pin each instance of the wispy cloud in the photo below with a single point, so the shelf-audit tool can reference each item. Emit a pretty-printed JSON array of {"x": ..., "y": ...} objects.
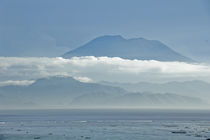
[
  {"x": 16, "y": 83},
  {"x": 101, "y": 68}
]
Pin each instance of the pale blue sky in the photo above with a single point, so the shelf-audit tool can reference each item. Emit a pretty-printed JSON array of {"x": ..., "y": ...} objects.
[{"x": 33, "y": 24}]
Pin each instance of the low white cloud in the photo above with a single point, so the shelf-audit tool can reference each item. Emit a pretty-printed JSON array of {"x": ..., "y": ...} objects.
[
  {"x": 16, "y": 83},
  {"x": 83, "y": 79},
  {"x": 101, "y": 68}
]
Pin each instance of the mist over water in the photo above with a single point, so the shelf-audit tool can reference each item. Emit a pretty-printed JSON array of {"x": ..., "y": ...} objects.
[
  {"x": 102, "y": 82},
  {"x": 112, "y": 69}
]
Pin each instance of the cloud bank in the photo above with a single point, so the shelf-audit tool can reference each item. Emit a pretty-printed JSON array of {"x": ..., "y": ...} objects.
[{"x": 92, "y": 68}]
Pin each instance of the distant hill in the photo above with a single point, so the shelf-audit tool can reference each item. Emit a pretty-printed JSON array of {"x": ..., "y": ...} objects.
[
  {"x": 66, "y": 92},
  {"x": 194, "y": 88},
  {"x": 50, "y": 92},
  {"x": 135, "y": 48},
  {"x": 135, "y": 100}
]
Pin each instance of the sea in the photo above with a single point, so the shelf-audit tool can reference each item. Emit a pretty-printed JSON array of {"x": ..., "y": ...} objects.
[{"x": 105, "y": 124}]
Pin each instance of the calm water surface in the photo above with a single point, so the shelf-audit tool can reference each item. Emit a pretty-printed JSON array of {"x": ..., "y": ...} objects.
[{"x": 105, "y": 124}]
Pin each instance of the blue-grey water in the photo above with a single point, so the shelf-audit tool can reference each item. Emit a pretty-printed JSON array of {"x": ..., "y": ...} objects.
[{"x": 104, "y": 124}]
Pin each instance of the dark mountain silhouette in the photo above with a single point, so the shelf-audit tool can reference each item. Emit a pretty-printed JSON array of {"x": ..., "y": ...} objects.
[{"x": 136, "y": 48}]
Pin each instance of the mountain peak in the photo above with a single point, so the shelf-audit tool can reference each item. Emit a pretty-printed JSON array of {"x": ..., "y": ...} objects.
[
  {"x": 108, "y": 37},
  {"x": 134, "y": 48}
]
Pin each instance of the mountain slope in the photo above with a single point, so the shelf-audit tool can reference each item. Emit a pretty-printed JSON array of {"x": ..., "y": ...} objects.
[{"x": 136, "y": 48}]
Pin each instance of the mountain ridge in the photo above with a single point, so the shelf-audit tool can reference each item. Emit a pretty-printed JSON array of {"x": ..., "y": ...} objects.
[
  {"x": 64, "y": 92},
  {"x": 195, "y": 88}
]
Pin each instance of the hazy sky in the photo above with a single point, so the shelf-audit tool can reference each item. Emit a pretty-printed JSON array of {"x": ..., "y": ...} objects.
[{"x": 58, "y": 25}]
